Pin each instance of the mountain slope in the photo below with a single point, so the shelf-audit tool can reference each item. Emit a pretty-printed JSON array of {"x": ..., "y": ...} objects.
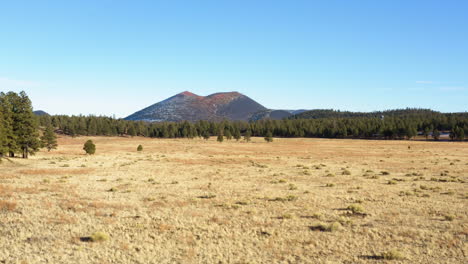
[
  {"x": 191, "y": 107},
  {"x": 40, "y": 113}
]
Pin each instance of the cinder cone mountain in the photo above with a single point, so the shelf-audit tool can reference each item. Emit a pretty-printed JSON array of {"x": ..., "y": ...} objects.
[{"x": 191, "y": 107}]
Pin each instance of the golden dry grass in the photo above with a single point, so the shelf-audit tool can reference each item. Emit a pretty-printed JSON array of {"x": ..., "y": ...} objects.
[{"x": 192, "y": 201}]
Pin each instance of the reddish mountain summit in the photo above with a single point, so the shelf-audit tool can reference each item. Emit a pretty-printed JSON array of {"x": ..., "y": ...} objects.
[{"x": 191, "y": 107}]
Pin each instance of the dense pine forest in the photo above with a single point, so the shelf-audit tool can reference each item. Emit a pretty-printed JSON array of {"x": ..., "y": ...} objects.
[
  {"x": 20, "y": 128},
  {"x": 395, "y": 124}
]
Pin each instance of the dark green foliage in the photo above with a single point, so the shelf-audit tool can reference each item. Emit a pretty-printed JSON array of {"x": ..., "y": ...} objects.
[
  {"x": 19, "y": 125},
  {"x": 140, "y": 148},
  {"x": 49, "y": 139},
  {"x": 436, "y": 134},
  {"x": 228, "y": 134},
  {"x": 206, "y": 135},
  {"x": 89, "y": 147},
  {"x": 395, "y": 124},
  {"x": 220, "y": 136},
  {"x": 3, "y": 138},
  {"x": 269, "y": 137},
  {"x": 247, "y": 135},
  {"x": 237, "y": 134}
]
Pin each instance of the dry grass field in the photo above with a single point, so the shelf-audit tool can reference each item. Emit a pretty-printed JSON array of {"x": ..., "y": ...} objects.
[{"x": 192, "y": 201}]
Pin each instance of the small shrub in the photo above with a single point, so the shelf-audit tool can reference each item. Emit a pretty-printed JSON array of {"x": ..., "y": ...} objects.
[
  {"x": 99, "y": 237},
  {"x": 288, "y": 198},
  {"x": 385, "y": 173},
  {"x": 207, "y": 196},
  {"x": 292, "y": 187},
  {"x": 449, "y": 217},
  {"x": 392, "y": 182},
  {"x": 287, "y": 216},
  {"x": 355, "y": 209},
  {"x": 89, "y": 147},
  {"x": 140, "y": 148},
  {"x": 393, "y": 255},
  {"x": 346, "y": 172},
  {"x": 325, "y": 227},
  {"x": 330, "y": 185}
]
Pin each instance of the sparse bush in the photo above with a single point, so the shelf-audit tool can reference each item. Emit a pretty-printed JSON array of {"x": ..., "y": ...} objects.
[
  {"x": 89, "y": 147},
  {"x": 325, "y": 227},
  {"x": 385, "y": 173},
  {"x": 207, "y": 196},
  {"x": 269, "y": 137},
  {"x": 140, "y": 148},
  {"x": 449, "y": 217},
  {"x": 288, "y": 198},
  {"x": 355, "y": 209},
  {"x": 330, "y": 185},
  {"x": 346, "y": 172},
  {"x": 392, "y": 255},
  {"x": 99, "y": 237}
]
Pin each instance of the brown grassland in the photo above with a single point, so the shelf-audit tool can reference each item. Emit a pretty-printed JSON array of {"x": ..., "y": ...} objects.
[{"x": 196, "y": 201}]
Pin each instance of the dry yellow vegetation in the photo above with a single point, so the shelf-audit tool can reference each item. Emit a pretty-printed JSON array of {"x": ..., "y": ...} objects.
[{"x": 196, "y": 201}]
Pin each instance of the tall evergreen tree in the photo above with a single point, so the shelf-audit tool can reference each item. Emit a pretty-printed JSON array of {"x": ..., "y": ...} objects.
[
  {"x": 248, "y": 135},
  {"x": 49, "y": 139},
  {"x": 10, "y": 145},
  {"x": 24, "y": 124},
  {"x": 237, "y": 134},
  {"x": 3, "y": 138}
]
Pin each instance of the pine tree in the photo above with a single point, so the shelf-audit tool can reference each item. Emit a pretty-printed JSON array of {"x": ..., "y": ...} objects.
[
  {"x": 237, "y": 134},
  {"x": 206, "y": 134},
  {"x": 269, "y": 137},
  {"x": 228, "y": 134},
  {"x": 89, "y": 147},
  {"x": 436, "y": 134},
  {"x": 49, "y": 139},
  {"x": 247, "y": 135},
  {"x": 10, "y": 142},
  {"x": 220, "y": 136},
  {"x": 24, "y": 124},
  {"x": 3, "y": 138}
]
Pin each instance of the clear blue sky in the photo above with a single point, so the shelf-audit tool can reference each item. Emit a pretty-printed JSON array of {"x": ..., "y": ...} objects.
[{"x": 116, "y": 57}]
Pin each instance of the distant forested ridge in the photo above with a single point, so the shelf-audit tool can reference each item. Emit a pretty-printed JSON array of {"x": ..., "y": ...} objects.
[{"x": 392, "y": 124}]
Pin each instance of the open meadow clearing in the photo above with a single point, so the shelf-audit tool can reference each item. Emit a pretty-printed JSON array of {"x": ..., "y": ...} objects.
[{"x": 197, "y": 201}]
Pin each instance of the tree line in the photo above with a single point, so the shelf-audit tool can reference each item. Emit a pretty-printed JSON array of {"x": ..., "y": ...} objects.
[{"x": 405, "y": 125}]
